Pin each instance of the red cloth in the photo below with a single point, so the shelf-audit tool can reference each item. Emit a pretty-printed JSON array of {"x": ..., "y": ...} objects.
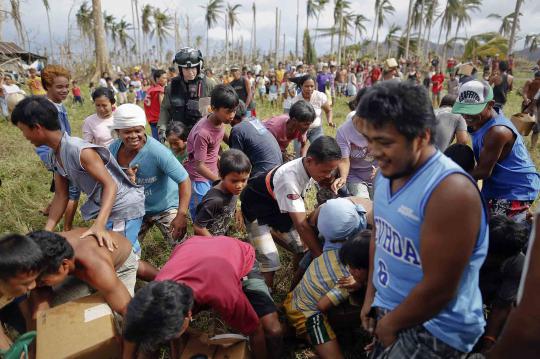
[
  {"x": 277, "y": 126},
  {"x": 76, "y": 91},
  {"x": 375, "y": 74},
  {"x": 437, "y": 81},
  {"x": 151, "y": 103},
  {"x": 214, "y": 267}
]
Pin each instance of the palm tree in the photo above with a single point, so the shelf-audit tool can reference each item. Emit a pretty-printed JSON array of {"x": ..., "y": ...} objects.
[
  {"x": 533, "y": 40},
  {"x": 408, "y": 36},
  {"x": 311, "y": 11},
  {"x": 232, "y": 19},
  {"x": 447, "y": 19},
  {"x": 146, "y": 23},
  {"x": 162, "y": 27},
  {"x": 122, "y": 28},
  {"x": 462, "y": 16},
  {"x": 319, "y": 7},
  {"x": 506, "y": 23},
  {"x": 17, "y": 21},
  {"x": 431, "y": 12},
  {"x": 339, "y": 14},
  {"x": 391, "y": 38},
  {"x": 254, "y": 34},
  {"x": 102, "y": 55},
  {"x": 514, "y": 26},
  {"x": 359, "y": 27},
  {"x": 85, "y": 25},
  {"x": 47, "y": 9},
  {"x": 384, "y": 9},
  {"x": 211, "y": 16},
  {"x": 109, "y": 23}
]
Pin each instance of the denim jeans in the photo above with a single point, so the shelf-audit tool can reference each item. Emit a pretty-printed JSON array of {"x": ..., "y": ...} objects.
[{"x": 312, "y": 135}]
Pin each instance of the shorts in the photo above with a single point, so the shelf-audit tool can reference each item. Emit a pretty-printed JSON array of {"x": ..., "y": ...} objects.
[
  {"x": 162, "y": 221},
  {"x": 513, "y": 209},
  {"x": 128, "y": 228},
  {"x": 265, "y": 248},
  {"x": 257, "y": 293},
  {"x": 74, "y": 193},
  {"x": 312, "y": 134},
  {"x": 262, "y": 91},
  {"x": 74, "y": 288},
  {"x": 316, "y": 326},
  {"x": 198, "y": 190},
  {"x": 272, "y": 96}
]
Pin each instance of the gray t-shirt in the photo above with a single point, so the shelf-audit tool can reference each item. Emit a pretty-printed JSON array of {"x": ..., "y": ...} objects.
[{"x": 447, "y": 125}]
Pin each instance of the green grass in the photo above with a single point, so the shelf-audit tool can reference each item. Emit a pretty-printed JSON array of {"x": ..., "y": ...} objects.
[{"x": 25, "y": 190}]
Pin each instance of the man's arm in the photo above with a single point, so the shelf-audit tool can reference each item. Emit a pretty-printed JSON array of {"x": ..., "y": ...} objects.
[
  {"x": 367, "y": 321},
  {"x": 93, "y": 164},
  {"x": 249, "y": 92},
  {"x": 59, "y": 202},
  {"x": 329, "y": 114},
  {"x": 343, "y": 167},
  {"x": 205, "y": 172},
  {"x": 306, "y": 232},
  {"x": 179, "y": 223},
  {"x": 494, "y": 141},
  {"x": 164, "y": 112},
  {"x": 448, "y": 235},
  {"x": 462, "y": 137},
  {"x": 201, "y": 231}
]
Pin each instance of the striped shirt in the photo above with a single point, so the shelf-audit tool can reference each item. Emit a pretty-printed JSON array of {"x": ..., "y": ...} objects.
[{"x": 319, "y": 280}]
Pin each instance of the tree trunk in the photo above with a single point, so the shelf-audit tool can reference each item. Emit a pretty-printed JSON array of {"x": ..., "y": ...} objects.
[
  {"x": 135, "y": 39},
  {"x": 514, "y": 27},
  {"x": 50, "y": 34},
  {"x": 102, "y": 55},
  {"x": 226, "y": 40},
  {"x": 207, "y": 29},
  {"x": 340, "y": 37},
  {"x": 408, "y": 37},
  {"x": 139, "y": 35},
  {"x": 427, "y": 40},
  {"x": 377, "y": 45},
  {"x": 254, "y": 33},
  {"x": 455, "y": 39},
  {"x": 445, "y": 48},
  {"x": 276, "y": 37},
  {"x": 420, "y": 28},
  {"x": 297, "y": 21}
]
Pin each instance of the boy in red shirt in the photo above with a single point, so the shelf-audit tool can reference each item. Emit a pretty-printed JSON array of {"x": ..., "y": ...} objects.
[
  {"x": 437, "y": 80},
  {"x": 152, "y": 102},
  {"x": 76, "y": 91}
]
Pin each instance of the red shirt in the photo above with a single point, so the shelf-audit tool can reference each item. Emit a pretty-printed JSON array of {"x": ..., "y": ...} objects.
[
  {"x": 213, "y": 267},
  {"x": 277, "y": 126},
  {"x": 375, "y": 74},
  {"x": 151, "y": 103},
  {"x": 76, "y": 91},
  {"x": 437, "y": 81}
]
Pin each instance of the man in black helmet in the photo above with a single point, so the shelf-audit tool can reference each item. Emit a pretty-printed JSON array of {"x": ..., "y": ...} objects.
[{"x": 182, "y": 95}]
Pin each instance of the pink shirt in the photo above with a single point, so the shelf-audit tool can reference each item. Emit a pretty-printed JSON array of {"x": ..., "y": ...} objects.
[
  {"x": 278, "y": 127},
  {"x": 98, "y": 130},
  {"x": 213, "y": 267},
  {"x": 203, "y": 145}
]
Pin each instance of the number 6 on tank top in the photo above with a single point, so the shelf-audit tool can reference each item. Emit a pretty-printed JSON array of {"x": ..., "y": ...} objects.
[{"x": 382, "y": 273}]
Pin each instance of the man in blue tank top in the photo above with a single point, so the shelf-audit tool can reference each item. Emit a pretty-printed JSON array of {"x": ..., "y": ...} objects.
[
  {"x": 429, "y": 239},
  {"x": 510, "y": 180}
]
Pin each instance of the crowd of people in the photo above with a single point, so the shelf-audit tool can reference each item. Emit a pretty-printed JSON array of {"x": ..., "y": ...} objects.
[{"x": 430, "y": 261}]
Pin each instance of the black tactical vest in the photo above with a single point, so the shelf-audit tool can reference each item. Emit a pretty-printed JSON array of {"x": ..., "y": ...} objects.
[{"x": 185, "y": 105}]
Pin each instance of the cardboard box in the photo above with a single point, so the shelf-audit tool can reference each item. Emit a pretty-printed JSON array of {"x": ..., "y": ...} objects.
[
  {"x": 225, "y": 346},
  {"x": 524, "y": 123},
  {"x": 84, "y": 329}
]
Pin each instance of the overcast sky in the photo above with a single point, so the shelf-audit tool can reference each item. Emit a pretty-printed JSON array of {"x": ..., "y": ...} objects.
[{"x": 34, "y": 19}]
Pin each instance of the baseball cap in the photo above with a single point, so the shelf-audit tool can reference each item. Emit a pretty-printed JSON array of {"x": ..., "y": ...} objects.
[
  {"x": 339, "y": 219},
  {"x": 473, "y": 96},
  {"x": 235, "y": 67}
]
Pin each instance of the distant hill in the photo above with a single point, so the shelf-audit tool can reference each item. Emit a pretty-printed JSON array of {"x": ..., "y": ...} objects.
[{"x": 531, "y": 56}]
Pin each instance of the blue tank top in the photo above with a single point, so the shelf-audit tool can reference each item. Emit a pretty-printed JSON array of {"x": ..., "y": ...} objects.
[
  {"x": 514, "y": 177},
  {"x": 397, "y": 263}
]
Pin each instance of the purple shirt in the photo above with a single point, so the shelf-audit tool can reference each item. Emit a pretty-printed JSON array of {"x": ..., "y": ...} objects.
[
  {"x": 322, "y": 79},
  {"x": 355, "y": 147}
]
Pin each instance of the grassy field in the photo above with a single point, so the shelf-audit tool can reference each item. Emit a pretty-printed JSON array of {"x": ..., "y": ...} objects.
[{"x": 24, "y": 189}]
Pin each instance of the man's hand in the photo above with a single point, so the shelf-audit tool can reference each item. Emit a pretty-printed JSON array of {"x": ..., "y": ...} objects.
[
  {"x": 331, "y": 124},
  {"x": 337, "y": 184},
  {"x": 179, "y": 226},
  {"x": 349, "y": 283},
  {"x": 385, "y": 333},
  {"x": 102, "y": 236},
  {"x": 368, "y": 320}
]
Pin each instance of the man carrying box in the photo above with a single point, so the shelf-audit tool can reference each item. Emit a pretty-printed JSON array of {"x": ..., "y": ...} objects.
[{"x": 92, "y": 268}]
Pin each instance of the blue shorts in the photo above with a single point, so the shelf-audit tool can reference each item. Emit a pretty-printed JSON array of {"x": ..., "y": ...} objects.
[
  {"x": 129, "y": 229},
  {"x": 74, "y": 193},
  {"x": 198, "y": 190}
]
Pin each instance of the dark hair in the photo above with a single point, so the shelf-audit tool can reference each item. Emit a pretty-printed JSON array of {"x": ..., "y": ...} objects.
[
  {"x": 177, "y": 128},
  {"x": 108, "y": 78},
  {"x": 302, "y": 111},
  {"x": 506, "y": 237},
  {"x": 503, "y": 66},
  {"x": 36, "y": 110},
  {"x": 20, "y": 254},
  {"x": 224, "y": 96},
  {"x": 299, "y": 80},
  {"x": 55, "y": 249},
  {"x": 240, "y": 110},
  {"x": 233, "y": 161},
  {"x": 172, "y": 69},
  {"x": 448, "y": 100},
  {"x": 461, "y": 154},
  {"x": 156, "y": 314},
  {"x": 104, "y": 91},
  {"x": 405, "y": 105},
  {"x": 355, "y": 251},
  {"x": 354, "y": 102},
  {"x": 324, "y": 149},
  {"x": 157, "y": 74}
]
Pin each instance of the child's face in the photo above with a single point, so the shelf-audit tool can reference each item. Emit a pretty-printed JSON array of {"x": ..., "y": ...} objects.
[
  {"x": 224, "y": 115},
  {"x": 18, "y": 285},
  {"x": 59, "y": 89},
  {"x": 235, "y": 182},
  {"x": 163, "y": 79},
  {"x": 176, "y": 143},
  {"x": 360, "y": 275}
]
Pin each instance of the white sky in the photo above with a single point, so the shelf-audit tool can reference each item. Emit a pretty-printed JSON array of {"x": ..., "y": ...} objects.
[{"x": 34, "y": 20}]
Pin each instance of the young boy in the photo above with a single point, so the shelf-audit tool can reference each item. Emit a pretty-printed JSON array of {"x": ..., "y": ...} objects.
[
  {"x": 74, "y": 267},
  {"x": 153, "y": 100},
  {"x": 295, "y": 125},
  {"x": 176, "y": 136},
  {"x": 204, "y": 142},
  {"x": 131, "y": 95},
  {"x": 76, "y": 91},
  {"x": 216, "y": 211},
  {"x": 20, "y": 264},
  {"x": 113, "y": 200},
  {"x": 306, "y": 307}
]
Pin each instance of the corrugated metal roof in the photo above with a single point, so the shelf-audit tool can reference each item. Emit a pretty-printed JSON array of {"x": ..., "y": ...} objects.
[{"x": 10, "y": 48}]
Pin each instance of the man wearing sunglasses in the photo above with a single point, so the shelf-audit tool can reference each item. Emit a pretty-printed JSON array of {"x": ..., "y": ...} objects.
[
  {"x": 182, "y": 95},
  {"x": 510, "y": 180}
]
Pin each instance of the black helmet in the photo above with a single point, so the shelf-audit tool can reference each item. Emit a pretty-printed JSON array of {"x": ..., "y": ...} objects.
[{"x": 188, "y": 57}]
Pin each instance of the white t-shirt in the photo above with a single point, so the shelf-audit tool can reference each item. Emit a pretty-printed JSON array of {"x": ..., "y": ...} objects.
[
  {"x": 9, "y": 89},
  {"x": 97, "y": 130},
  {"x": 291, "y": 182},
  {"x": 317, "y": 100}
]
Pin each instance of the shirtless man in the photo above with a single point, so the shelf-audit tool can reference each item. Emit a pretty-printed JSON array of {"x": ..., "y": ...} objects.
[{"x": 89, "y": 266}]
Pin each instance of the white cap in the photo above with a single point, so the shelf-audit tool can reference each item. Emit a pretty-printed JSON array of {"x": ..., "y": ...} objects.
[{"x": 127, "y": 116}]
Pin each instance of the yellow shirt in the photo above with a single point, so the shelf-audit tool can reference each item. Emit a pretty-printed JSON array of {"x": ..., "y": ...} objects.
[
  {"x": 35, "y": 86},
  {"x": 279, "y": 75}
]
